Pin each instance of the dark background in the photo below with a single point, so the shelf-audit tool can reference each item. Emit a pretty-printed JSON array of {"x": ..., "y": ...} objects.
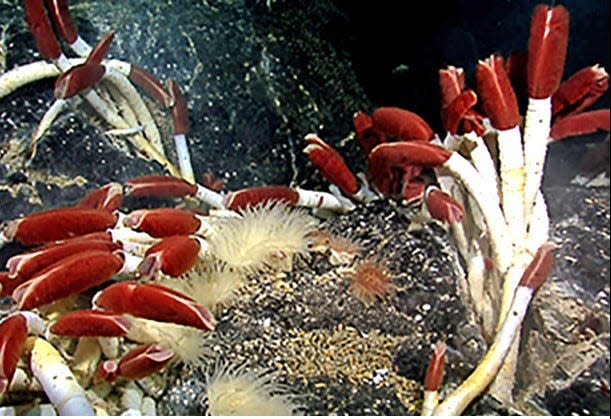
[{"x": 428, "y": 35}]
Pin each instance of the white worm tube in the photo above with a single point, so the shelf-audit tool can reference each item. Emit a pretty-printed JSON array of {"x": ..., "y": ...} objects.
[
  {"x": 26, "y": 74},
  {"x": 184, "y": 158},
  {"x": 209, "y": 197},
  {"x": 459, "y": 399},
  {"x": 323, "y": 200},
  {"x": 536, "y": 132},
  {"x": 485, "y": 196},
  {"x": 511, "y": 159},
  {"x": 137, "y": 105},
  {"x": 482, "y": 161},
  {"x": 58, "y": 382},
  {"x": 80, "y": 47}
]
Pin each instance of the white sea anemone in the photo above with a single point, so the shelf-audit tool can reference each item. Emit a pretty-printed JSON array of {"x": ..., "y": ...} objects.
[
  {"x": 266, "y": 236},
  {"x": 210, "y": 286},
  {"x": 236, "y": 391},
  {"x": 191, "y": 345}
]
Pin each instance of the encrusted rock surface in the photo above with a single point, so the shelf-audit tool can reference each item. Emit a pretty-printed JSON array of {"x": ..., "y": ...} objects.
[{"x": 341, "y": 355}]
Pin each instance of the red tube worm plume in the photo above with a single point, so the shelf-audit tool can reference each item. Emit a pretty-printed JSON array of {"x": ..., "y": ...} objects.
[
  {"x": 547, "y": 44},
  {"x": 402, "y": 123},
  {"x": 580, "y": 91},
  {"x": 330, "y": 164},
  {"x": 173, "y": 255},
  {"x": 537, "y": 272},
  {"x": 368, "y": 135},
  {"x": 455, "y": 112},
  {"x": 413, "y": 191},
  {"x": 144, "y": 360},
  {"x": 7, "y": 284},
  {"x": 159, "y": 187},
  {"x": 91, "y": 323},
  {"x": 99, "y": 51},
  {"x": 416, "y": 153},
  {"x": 163, "y": 222},
  {"x": 107, "y": 198},
  {"x": 434, "y": 372},
  {"x": 371, "y": 280},
  {"x": 253, "y": 196},
  {"x": 457, "y": 102},
  {"x": 78, "y": 79},
  {"x": 499, "y": 102},
  {"x": 386, "y": 159},
  {"x": 154, "y": 302},
  {"x": 580, "y": 124},
  {"x": 451, "y": 84},
  {"x": 138, "y": 363},
  {"x": 69, "y": 276},
  {"x": 58, "y": 224},
  {"x": 60, "y": 13},
  {"x": 22, "y": 267},
  {"x": 40, "y": 27},
  {"x": 13, "y": 333},
  {"x": 151, "y": 85},
  {"x": 180, "y": 114},
  {"x": 442, "y": 207}
]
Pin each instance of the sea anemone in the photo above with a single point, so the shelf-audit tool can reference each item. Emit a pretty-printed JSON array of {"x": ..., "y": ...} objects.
[
  {"x": 342, "y": 249},
  {"x": 211, "y": 285},
  {"x": 190, "y": 345},
  {"x": 371, "y": 280},
  {"x": 266, "y": 236},
  {"x": 236, "y": 391}
]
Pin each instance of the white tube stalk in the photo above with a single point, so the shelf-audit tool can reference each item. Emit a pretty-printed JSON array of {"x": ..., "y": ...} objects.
[
  {"x": 209, "y": 197},
  {"x": 122, "y": 67},
  {"x": 132, "y": 241},
  {"x": 536, "y": 132},
  {"x": 137, "y": 105},
  {"x": 430, "y": 401},
  {"x": 104, "y": 110},
  {"x": 451, "y": 142},
  {"x": 483, "y": 193},
  {"x": 511, "y": 160},
  {"x": 482, "y": 161},
  {"x": 130, "y": 264},
  {"x": 63, "y": 63},
  {"x": 459, "y": 399},
  {"x": 323, "y": 200},
  {"x": 80, "y": 47},
  {"x": 58, "y": 382},
  {"x": 184, "y": 159},
  {"x": 46, "y": 121},
  {"x": 511, "y": 280},
  {"x": 26, "y": 74},
  {"x": 109, "y": 346},
  {"x": 35, "y": 324},
  {"x": 538, "y": 231},
  {"x": 127, "y": 131}
]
